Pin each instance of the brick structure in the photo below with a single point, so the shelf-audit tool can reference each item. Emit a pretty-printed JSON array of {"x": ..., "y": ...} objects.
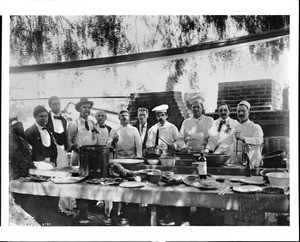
[
  {"x": 177, "y": 111},
  {"x": 259, "y": 93}
]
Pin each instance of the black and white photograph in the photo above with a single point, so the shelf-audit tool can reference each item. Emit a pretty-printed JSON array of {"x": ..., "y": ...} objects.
[{"x": 129, "y": 122}]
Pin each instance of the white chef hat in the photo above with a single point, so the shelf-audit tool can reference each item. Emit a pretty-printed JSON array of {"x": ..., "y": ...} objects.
[
  {"x": 161, "y": 109},
  {"x": 245, "y": 103}
]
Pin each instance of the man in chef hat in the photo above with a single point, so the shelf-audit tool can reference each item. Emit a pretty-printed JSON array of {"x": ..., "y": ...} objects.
[
  {"x": 247, "y": 133},
  {"x": 163, "y": 134}
]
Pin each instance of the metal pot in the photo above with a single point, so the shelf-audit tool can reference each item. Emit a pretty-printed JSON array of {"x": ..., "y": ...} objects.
[
  {"x": 275, "y": 159},
  {"x": 276, "y": 143},
  {"x": 152, "y": 152},
  {"x": 94, "y": 161},
  {"x": 213, "y": 160}
]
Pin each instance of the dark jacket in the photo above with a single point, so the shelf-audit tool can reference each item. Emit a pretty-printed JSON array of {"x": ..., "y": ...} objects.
[
  {"x": 137, "y": 125},
  {"x": 61, "y": 139},
  {"x": 39, "y": 151}
]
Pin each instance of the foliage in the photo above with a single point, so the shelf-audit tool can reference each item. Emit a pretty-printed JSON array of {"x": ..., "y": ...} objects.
[{"x": 46, "y": 39}]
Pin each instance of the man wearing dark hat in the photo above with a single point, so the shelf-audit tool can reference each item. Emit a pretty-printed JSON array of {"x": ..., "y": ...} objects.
[
  {"x": 81, "y": 131},
  {"x": 57, "y": 125},
  {"x": 44, "y": 152},
  {"x": 246, "y": 133},
  {"x": 126, "y": 137}
]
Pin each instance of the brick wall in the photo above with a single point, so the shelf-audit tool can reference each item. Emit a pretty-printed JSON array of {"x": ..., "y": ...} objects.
[{"x": 259, "y": 93}]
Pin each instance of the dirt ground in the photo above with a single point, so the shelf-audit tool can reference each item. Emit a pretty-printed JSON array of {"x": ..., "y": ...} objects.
[{"x": 18, "y": 217}]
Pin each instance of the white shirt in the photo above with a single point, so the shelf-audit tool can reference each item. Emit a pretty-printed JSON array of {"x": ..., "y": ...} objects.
[
  {"x": 57, "y": 124},
  {"x": 198, "y": 133},
  {"x": 254, "y": 136},
  {"x": 45, "y": 136},
  {"x": 168, "y": 132},
  {"x": 225, "y": 144},
  {"x": 103, "y": 135},
  {"x": 129, "y": 140}
]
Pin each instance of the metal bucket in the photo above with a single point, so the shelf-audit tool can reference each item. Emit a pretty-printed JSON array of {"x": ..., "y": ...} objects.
[
  {"x": 276, "y": 143},
  {"x": 94, "y": 161}
]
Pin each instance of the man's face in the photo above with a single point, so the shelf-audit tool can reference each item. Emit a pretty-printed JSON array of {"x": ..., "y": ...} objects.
[
  {"x": 197, "y": 109},
  {"x": 142, "y": 116},
  {"x": 55, "y": 106},
  {"x": 224, "y": 112},
  {"x": 101, "y": 118},
  {"x": 242, "y": 113},
  {"x": 42, "y": 118},
  {"x": 85, "y": 110},
  {"x": 124, "y": 118},
  {"x": 161, "y": 117}
]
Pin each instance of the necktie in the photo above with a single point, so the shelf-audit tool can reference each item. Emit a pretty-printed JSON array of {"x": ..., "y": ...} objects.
[
  {"x": 58, "y": 117},
  {"x": 156, "y": 139},
  {"x": 142, "y": 129},
  {"x": 220, "y": 125},
  {"x": 86, "y": 125},
  {"x": 102, "y": 126}
]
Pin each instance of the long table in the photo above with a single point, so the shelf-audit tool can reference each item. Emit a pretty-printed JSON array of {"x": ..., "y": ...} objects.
[{"x": 154, "y": 195}]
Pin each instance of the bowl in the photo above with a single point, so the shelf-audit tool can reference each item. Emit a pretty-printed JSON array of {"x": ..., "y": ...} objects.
[
  {"x": 213, "y": 160},
  {"x": 154, "y": 176},
  {"x": 274, "y": 159},
  {"x": 279, "y": 179},
  {"x": 167, "y": 161},
  {"x": 167, "y": 174},
  {"x": 143, "y": 173},
  {"x": 153, "y": 161},
  {"x": 152, "y": 152},
  {"x": 266, "y": 171}
]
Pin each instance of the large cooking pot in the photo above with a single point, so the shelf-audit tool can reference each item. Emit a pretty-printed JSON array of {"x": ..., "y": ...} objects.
[
  {"x": 276, "y": 143},
  {"x": 94, "y": 161},
  {"x": 152, "y": 152},
  {"x": 275, "y": 159},
  {"x": 213, "y": 160}
]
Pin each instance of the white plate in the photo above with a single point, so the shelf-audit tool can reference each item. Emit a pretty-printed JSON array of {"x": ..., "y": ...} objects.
[
  {"x": 234, "y": 179},
  {"x": 132, "y": 184},
  {"x": 253, "y": 180},
  {"x": 66, "y": 180},
  {"x": 247, "y": 189},
  {"x": 128, "y": 161}
]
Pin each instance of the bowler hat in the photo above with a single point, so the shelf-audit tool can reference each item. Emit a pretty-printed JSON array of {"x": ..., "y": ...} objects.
[{"x": 82, "y": 101}]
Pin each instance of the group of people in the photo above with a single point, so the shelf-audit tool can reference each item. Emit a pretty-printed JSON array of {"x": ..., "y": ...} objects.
[{"x": 51, "y": 137}]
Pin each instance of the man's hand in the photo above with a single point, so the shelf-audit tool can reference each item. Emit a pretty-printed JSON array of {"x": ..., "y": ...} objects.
[
  {"x": 75, "y": 148},
  {"x": 238, "y": 136},
  {"x": 206, "y": 151},
  {"x": 171, "y": 147}
]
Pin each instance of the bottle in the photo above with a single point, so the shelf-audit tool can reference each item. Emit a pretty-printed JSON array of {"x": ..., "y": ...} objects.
[
  {"x": 202, "y": 166},
  {"x": 248, "y": 165}
]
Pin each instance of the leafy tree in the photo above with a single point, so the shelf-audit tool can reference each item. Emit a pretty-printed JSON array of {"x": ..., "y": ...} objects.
[{"x": 46, "y": 39}]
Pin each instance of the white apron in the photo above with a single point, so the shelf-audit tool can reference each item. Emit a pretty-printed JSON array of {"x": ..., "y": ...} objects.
[{"x": 83, "y": 137}]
